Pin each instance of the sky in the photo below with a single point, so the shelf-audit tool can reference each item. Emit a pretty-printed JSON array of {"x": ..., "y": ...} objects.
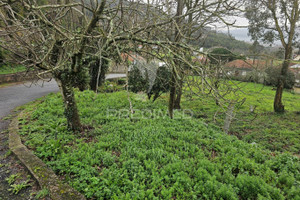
[{"x": 240, "y": 32}]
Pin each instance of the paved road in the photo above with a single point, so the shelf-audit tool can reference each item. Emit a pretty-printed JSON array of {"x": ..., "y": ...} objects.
[
  {"x": 16, "y": 95},
  {"x": 112, "y": 76},
  {"x": 13, "y": 96}
]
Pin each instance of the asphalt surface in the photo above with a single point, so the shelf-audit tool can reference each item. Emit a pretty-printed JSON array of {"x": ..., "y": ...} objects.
[
  {"x": 11, "y": 97},
  {"x": 17, "y": 95}
]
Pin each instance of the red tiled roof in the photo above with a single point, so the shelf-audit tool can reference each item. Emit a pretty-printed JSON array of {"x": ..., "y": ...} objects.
[{"x": 247, "y": 64}]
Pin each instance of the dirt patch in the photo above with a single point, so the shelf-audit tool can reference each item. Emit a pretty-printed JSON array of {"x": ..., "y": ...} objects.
[
  {"x": 9, "y": 166},
  {"x": 45, "y": 177}
]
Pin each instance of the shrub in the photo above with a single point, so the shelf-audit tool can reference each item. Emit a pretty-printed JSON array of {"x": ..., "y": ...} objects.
[
  {"x": 121, "y": 81},
  {"x": 273, "y": 74},
  {"x": 161, "y": 83},
  {"x": 139, "y": 82},
  {"x": 110, "y": 86},
  {"x": 221, "y": 55},
  {"x": 136, "y": 81}
]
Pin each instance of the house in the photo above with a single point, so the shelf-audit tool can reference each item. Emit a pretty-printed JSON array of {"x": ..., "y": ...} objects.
[
  {"x": 245, "y": 67},
  {"x": 295, "y": 68}
]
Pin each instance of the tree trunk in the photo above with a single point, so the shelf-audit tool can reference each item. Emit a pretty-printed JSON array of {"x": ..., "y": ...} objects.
[
  {"x": 278, "y": 106},
  {"x": 71, "y": 111},
  {"x": 172, "y": 94},
  {"x": 228, "y": 118},
  {"x": 177, "y": 38},
  {"x": 178, "y": 95},
  {"x": 98, "y": 77}
]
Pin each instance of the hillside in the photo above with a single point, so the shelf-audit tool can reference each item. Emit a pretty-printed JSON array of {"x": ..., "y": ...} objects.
[
  {"x": 213, "y": 39},
  {"x": 149, "y": 156}
]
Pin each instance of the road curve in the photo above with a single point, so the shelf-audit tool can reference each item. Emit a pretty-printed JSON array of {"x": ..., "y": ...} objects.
[
  {"x": 11, "y": 97},
  {"x": 17, "y": 95}
]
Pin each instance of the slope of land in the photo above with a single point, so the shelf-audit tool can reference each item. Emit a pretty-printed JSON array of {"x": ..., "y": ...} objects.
[{"x": 149, "y": 156}]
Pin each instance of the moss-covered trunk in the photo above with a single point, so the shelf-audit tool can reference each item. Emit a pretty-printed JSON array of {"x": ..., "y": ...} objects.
[
  {"x": 178, "y": 94},
  {"x": 71, "y": 111},
  {"x": 278, "y": 105},
  {"x": 172, "y": 93},
  {"x": 174, "y": 82}
]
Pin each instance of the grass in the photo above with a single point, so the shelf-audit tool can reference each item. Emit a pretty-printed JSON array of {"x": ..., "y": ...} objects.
[
  {"x": 42, "y": 194},
  {"x": 280, "y": 132},
  {"x": 5, "y": 69},
  {"x": 16, "y": 183},
  {"x": 139, "y": 156}
]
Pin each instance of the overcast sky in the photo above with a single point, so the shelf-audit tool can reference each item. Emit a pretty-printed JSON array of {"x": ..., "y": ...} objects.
[{"x": 240, "y": 33}]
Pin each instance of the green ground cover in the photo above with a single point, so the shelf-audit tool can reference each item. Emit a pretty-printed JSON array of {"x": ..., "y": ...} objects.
[
  {"x": 135, "y": 157},
  {"x": 279, "y": 132},
  {"x": 5, "y": 69}
]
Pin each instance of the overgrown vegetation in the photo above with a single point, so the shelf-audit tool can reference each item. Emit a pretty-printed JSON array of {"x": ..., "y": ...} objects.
[
  {"x": 6, "y": 69},
  {"x": 16, "y": 183},
  {"x": 153, "y": 84},
  {"x": 222, "y": 55},
  {"x": 273, "y": 73},
  {"x": 149, "y": 156},
  {"x": 253, "y": 119}
]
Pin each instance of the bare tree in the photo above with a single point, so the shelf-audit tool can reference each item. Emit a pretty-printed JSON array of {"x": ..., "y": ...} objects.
[
  {"x": 58, "y": 36},
  {"x": 193, "y": 17}
]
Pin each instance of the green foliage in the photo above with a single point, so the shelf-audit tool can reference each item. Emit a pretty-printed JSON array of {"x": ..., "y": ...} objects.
[
  {"x": 214, "y": 39},
  {"x": 1, "y": 57},
  {"x": 94, "y": 65},
  {"x": 155, "y": 158},
  {"x": 16, "y": 188},
  {"x": 222, "y": 55},
  {"x": 79, "y": 79},
  {"x": 110, "y": 86},
  {"x": 5, "y": 69},
  {"x": 136, "y": 81},
  {"x": 161, "y": 84},
  {"x": 12, "y": 178},
  {"x": 42, "y": 194},
  {"x": 273, "y": 75},
  {"x": 262, "y": 126},
  {"x": 139, "y": 83},
  {"x": 8, "y": 153}
]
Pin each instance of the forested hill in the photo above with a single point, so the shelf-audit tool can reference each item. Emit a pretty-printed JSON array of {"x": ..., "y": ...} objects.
[{"x": 212, "y": 39}]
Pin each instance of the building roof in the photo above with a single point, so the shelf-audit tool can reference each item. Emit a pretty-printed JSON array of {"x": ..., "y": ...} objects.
[{"x": 247, "y": 64}]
